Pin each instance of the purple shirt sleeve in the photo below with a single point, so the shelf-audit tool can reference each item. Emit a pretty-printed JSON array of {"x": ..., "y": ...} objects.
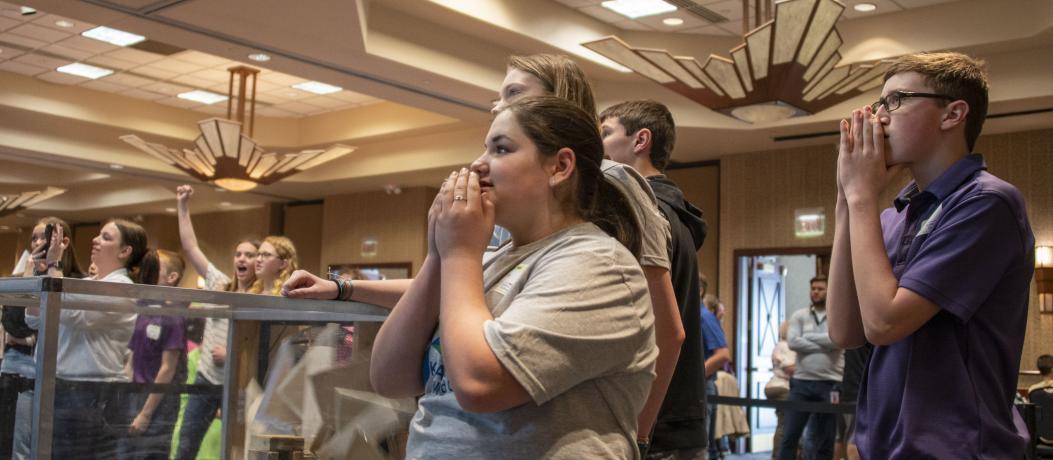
[
  {"x": 175, "y": 334},
  {"x": 965, "y": 255}
]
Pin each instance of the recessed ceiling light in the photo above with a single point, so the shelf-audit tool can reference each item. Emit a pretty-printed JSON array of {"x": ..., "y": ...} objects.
[
  {"x": 116, "y": 166},
  {"x": 85, "y": 70},
  {"x": 204, "y": 97},
  {"x": 864, "y": 7},
  {"x": 170, "y": 209},
  {"x": 317, "y": 87},
  {"x": 64, "y": 23},
  {"x": 638, "y": 8},
  {"x": 220, "y": 189},
  {"x": 113, "y": 36},
  {"x": 673, "y": 22},
  {"x": 224, "y": 203},
  {"x": 259, "y": 57},
  {"x": 27, "y": 11}
]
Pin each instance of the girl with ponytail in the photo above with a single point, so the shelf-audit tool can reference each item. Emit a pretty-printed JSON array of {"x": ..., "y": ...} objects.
[{"x": 545, "y": 346}]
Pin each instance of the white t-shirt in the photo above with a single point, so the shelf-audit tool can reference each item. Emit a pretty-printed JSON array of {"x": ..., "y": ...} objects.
[
  {"x": 573, "y": 324},
  {"x": 92, "y": 344},
  {"x": 654, "y": 228},
  {"x": 216, "y": 330}
]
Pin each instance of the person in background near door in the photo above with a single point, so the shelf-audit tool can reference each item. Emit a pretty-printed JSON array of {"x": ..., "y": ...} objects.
[
  {"x": 1045, "y": 368},
  {"x": 820, "y": 364},
  {"x": 783, "y": 363},
  {"x": 940, "y": 282},
  {"x": 641, "y": 134},
  {"x": 716, "y": 354}
]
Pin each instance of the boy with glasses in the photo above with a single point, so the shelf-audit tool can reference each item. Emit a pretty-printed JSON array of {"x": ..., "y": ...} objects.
[{"x": 940, "y": 282}]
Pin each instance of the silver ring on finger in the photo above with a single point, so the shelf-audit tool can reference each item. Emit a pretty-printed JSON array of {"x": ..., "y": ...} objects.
[{"x": 459, "y": 198}]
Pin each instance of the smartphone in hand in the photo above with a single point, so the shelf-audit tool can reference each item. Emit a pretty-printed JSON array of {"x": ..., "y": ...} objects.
[{"x": 48, "y": 230}]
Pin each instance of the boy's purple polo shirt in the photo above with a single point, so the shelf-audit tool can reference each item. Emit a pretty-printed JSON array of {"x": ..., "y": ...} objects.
[
  {"x": 946, "y": 391},
  {"x": 153, "y": 335}
]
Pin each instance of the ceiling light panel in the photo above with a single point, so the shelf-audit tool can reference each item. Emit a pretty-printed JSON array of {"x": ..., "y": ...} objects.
[
  {"x": 638, "y": 8},
  {"x": 317, "y": 87},
  {"x": 204, "y": 97},
  {"x": 113, "y": 36},
  {"x": 85, "y": 70}
]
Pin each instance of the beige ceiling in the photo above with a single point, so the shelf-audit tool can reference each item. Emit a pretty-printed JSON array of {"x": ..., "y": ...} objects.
[{"x": 418, "y": 76}]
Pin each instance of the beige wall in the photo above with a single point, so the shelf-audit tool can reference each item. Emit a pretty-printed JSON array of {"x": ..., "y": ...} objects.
[
  {"x": 759, "y": 193},
  {"x": 399, "y": 223},
  {"x": 701, "y": 186},
  {"x": 11, "y": 246},
  {"x": 303, "y": 225}
]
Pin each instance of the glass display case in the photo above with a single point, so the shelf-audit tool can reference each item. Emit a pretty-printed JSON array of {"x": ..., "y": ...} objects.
[{"x": 296, "y": 371}]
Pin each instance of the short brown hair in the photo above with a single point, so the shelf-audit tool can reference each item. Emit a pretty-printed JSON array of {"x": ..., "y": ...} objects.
[
  {"x": 1045, "y": 364},
  {"x": 173, "y": 261},
  {"x": 654, "y": 116},
  {"x": 561, "y": 76},
  {"x": 956, "y": 75},
  {"x": 818, "y": 279}
]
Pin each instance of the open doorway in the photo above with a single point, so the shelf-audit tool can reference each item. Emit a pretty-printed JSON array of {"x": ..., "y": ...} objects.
[{"x": 770, "y": 284}]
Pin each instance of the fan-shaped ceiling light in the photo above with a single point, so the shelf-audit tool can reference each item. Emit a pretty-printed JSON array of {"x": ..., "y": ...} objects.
[
  {"x": 226, "y": 154},
  {"x": 786, "y": 67},
  {"x": 10, "y": 204}
]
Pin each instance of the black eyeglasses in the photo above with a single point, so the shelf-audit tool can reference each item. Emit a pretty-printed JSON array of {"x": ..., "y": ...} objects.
[{"x": 895, "y": 98}]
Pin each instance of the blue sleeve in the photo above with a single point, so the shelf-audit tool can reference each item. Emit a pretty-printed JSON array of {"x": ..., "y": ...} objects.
[{"x": 712, "y": 335}]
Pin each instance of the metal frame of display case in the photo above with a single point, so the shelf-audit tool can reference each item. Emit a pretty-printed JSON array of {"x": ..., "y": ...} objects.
[{"x": 245, "y": 312}]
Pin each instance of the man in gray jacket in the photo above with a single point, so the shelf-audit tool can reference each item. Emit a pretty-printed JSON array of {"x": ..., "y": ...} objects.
[{"x": 820, "y": 365}]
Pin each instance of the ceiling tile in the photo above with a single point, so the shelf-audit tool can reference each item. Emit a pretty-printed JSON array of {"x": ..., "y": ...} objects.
[
  {"x": 326, "y": 102},
  {"x": 213, "y": 109},
  {"x": 168, "y": 88},
  {"x": 87, "y": 44},
  {"x": 262, "y": 85},
  {"x": 103, "y": 85},
  {"x": 7, "y": 23},
  {"x": 281, "y": 78},
  {"x": 134, "y": 55},
  {"x": 632, "y": 25},
  {"x": 10, "y": 10},
  {"x": 731, "y": 9},
  {"x": 50, "y": 20},
  {"x": 24, "y": 69},
  {"x": 173, "y": 65},
  {"x": 193, "y": 81},
  {"x": 274, "y": 112},
  {"x": 40, "y": 60},
  {"x": 127, "y": 79},
  {"x": 61, "y": 78},
  {"x": 290, "y": 94},
  {"x": 39, "y": 33},
  {"x": 176, "y": 102},
  {"x": 260, "y": 97},
  {"x": 199, "y": 58},
  {"x": 9, "y": 53},
  {"x": 19, "y": 40},
  {"x": 299, "y": 107},
  {"x": 213, "y": 75},
  {"x": 112, "y": 63},
  {"x": 72, "y": 53},
  {"x": 603, "y": 14},
  {"x": 353, "y": 97},
  {"x": 140, "y": 94},
  {"x": 578, "y": 3},
  {"x": 154, "y": 72},
  {"x": 708, "y": 30}
]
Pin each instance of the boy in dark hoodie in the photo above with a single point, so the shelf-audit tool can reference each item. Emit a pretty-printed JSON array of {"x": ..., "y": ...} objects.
[{"x": 641, "y": 134}]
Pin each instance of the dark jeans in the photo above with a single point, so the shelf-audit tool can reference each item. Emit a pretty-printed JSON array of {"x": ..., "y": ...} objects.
[
  {"x": 88, "y": 420},
  {"x": 156, "y": 441},
  {"x": 10, "y": 386},
  {"x": 822, "y": 426},
  {"x": 197, "y": 417}
]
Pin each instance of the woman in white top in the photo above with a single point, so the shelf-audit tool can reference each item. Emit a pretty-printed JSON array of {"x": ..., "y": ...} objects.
[
  {"x": 201, "y": 409},
  {"x": 92, "y": 344},
  {"x": 545, "y": 347}
]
